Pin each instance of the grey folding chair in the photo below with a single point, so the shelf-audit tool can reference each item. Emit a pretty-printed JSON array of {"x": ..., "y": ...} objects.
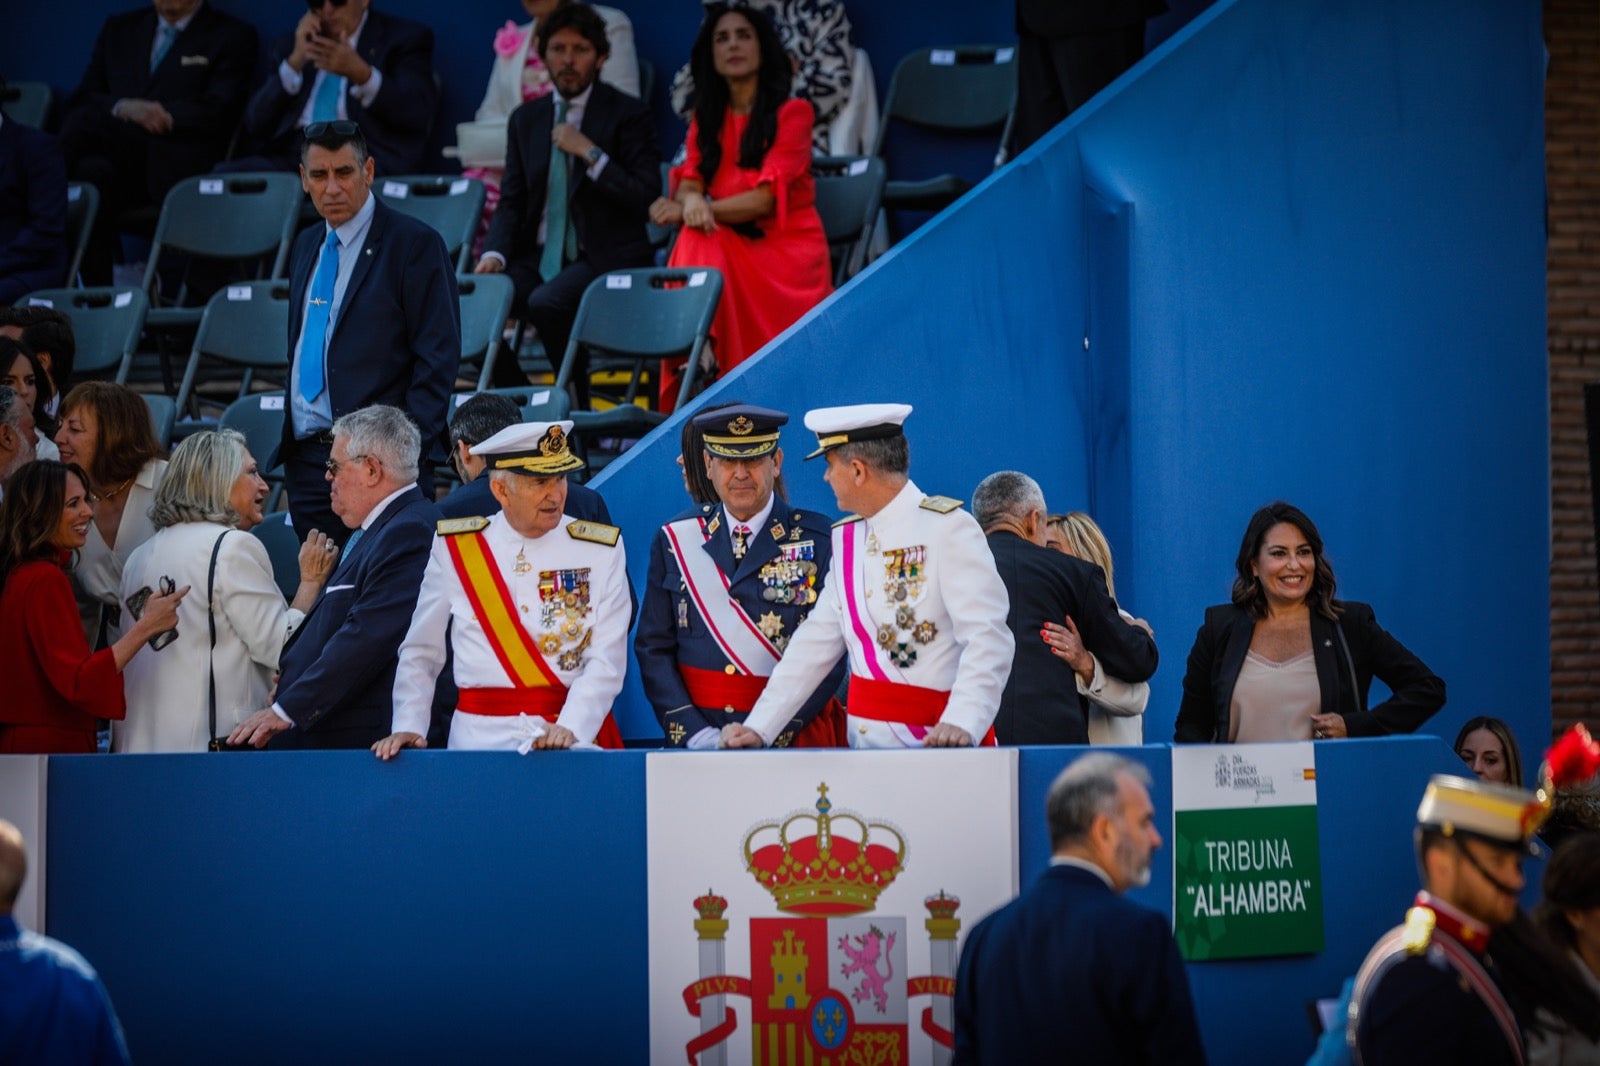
[
  {"x": 276, "y": 531},
  {"x": 452, "y": 206},
  {"x": 244, "y": 327},
  {"x": 849, "y": 194},
  {"x": 106, "y": 324},
  {"x": 83, "y": 204},
  {"x": 163, "y": 416},
  {"x": 259, "y": 417},
  {"x": 27, "y": 102},
  {"x": 485, "y": 306}
]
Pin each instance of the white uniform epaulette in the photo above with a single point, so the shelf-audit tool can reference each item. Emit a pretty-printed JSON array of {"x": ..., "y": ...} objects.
[
  {"x": 449, "y": 527},
  {"x": 940, "y": 504},
  {"x": 846, "y": 520},
  {"x": 597, "y": 532}
]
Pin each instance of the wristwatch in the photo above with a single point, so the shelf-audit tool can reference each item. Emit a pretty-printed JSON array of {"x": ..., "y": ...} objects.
[{"x": 593, "y": 154}]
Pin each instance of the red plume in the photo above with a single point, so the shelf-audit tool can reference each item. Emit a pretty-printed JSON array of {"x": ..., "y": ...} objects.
[{"x": 1574, "y": 759}]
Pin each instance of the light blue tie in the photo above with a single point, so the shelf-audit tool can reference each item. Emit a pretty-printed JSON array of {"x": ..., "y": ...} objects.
[
  {"x": 325, "y": 106},
  {"x": 556, "y": 229},
  {"x": 164, "y": 38},
  {"x": 350, "y": 545},
  {"x": 313, "y": 337}
]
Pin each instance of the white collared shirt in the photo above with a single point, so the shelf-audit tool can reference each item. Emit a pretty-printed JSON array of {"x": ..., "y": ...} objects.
[
  {"x": 312, "y": 417},
  {"x": 756, "y": 522},
  {"x": 292, "y": 79}
]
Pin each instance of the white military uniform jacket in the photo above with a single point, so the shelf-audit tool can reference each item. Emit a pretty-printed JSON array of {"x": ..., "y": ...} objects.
[
  {"x": 948, "y": 633},
  {"x": 593, "y": 675}
]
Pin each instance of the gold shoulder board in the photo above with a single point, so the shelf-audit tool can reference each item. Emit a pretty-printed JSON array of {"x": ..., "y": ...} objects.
[
  {"x": 449, "y": 527},
  {"x": 1419, "y": 930},
  {"x": 597, "y": 532},
  {"x": 846, "y": 520},
  {"x": 941, "y": 504}
]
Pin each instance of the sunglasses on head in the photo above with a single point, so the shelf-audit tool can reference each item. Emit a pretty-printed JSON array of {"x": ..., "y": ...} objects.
[
  {"x": 341, "y": 127},
  {"x": 316, "y": 5}
]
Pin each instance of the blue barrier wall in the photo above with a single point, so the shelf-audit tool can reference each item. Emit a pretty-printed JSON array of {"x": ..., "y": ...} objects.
[
  {"x": 454, "y": 907},
  {"x": 1297, "y": 253}
]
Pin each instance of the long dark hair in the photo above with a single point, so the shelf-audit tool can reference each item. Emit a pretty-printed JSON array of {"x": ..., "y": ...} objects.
[
  {"x": 43, "y": 390},
  {"x": 30, "y": 512},
  {"x": 1247, "y": 591},
  {"x": 711, "y": 91}
]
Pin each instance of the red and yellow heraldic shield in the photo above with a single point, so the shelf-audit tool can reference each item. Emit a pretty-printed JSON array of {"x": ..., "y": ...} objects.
[{"x": 828, "y": 992}]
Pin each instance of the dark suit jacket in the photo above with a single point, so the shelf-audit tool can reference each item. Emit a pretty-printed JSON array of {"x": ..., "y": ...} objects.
[
  {"x": 661, "y": 642},
  {"x": 337, "y": 670},
  {"x": 474, "y": 499},
  {"x": 33, "y": 211},
  {"x": 1041, "y": 704},
  {"x": 397, "y": 339},
  {"x": 396, "y": 128},
  {"x": 1060, "y": 18},
  {"x": 202, "y": 82},
  {"x": 1070, "y": 971},
  {"x": 610, "y": 213},
  {"x": 1224, "y": 638}
]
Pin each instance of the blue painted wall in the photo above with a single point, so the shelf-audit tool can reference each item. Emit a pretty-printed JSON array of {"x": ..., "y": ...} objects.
[{"x": 453, "y": 907}]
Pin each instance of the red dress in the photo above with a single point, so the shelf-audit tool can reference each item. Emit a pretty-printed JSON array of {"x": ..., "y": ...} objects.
[
  {"x": 768, "y": 283},
  {"x": 54, "y": 688}
]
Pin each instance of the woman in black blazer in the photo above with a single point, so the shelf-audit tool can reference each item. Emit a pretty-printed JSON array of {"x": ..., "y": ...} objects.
[{"x": 1289, "y": 661}]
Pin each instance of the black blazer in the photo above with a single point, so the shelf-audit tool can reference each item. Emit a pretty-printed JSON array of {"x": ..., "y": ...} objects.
[
  {"x": 202, "y": 81},
  {"x": 610, "y": 213},
  {"x": 33, "y": 211},
  {"x": 337, "y": 669},
  {"x": 396, "y": 128},
  {"x": 1041, "y": 704},
  {"x": 397, "y": 339},
  {"x": 1070, "y": 971},
  {"x": 1224, "y": 638}
]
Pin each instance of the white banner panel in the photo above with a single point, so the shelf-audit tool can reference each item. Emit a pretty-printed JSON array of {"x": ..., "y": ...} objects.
[{"x": 808, "y": 906}]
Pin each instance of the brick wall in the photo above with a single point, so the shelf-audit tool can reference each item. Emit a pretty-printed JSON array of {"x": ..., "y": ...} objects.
[{"x": 1572, "y": 155}]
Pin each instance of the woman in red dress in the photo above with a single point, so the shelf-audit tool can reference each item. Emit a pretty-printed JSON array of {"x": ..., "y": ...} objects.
[
  {"x": 744, "y": 195},
  {"x": 55, "y": 686}
]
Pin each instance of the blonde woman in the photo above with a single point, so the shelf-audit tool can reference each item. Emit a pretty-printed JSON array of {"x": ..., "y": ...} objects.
[{"x": 1116, "y": 707}]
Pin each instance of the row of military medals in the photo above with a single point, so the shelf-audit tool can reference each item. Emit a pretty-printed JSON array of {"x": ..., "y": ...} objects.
[
  {"x": 903, "y": 582},
  {"x": 563, "y": 608},
  {"x": 790, "y": 579}
]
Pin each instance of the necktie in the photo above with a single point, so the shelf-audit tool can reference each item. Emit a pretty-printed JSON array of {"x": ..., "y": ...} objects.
[
  {"x": 555, "y": 207},
  {"x": 314, "y": 335},
  {"x": 350, "y": 545},
  {"x": 325, "y": 106},
  {"x": 741, "y": 541},
  {"x": 164, "y": 37}
]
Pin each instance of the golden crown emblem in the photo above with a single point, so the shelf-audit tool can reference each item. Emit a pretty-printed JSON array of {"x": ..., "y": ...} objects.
[
  {"x": 554, "y": 442},
  {"x": 822, "y": 873},
  {"x": 741, "y": 426}
]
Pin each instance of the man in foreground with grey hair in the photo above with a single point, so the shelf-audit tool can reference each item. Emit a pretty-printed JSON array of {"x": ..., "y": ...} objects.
[
  {"x": 53, "y": 1007},
  {"x": 1072, "y": 968},
  {"x": 1046, "y": 696},
  {"x": 337, "y": 669},
  {"x": 16, "y": 435}
]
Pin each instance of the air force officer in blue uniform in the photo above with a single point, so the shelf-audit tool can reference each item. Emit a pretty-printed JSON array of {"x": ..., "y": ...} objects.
[
  {"x": 728, "y": 585},
  {"x": 1072, "y": 970}
]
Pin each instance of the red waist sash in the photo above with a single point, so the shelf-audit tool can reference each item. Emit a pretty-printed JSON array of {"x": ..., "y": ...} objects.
[
  {"x": 543, "y": 702},
  {"x": 912, "y": 705},
  {"x": 737, "y": 693}
]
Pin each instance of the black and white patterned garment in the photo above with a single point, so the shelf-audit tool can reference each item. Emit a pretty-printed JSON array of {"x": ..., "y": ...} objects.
[{"x": 816, "y": 34}]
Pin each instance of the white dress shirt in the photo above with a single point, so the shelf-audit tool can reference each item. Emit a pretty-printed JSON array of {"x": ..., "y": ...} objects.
[
  {"x": 292, "y": 79},
  {"x": 316, "y": 416}
]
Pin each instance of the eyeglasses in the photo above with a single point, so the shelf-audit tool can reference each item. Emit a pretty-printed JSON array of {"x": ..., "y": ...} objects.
[
  {"x": 340, "y": 127},
  {"x": 316, "y": 5},
  {"x": 332, "y": 465}
]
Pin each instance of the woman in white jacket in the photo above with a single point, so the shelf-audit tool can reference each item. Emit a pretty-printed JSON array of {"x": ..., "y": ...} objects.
[
  {"x": 210, "y": 496},
  {"x": 1116, "y": 707}
]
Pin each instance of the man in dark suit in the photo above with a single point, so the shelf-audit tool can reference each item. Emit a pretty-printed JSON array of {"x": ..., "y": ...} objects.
[
  {"x": 159, "y": 102},
  {"x": 582, "y": 160},
  {"x": 475, "y": 421},
  {"x": 1068, "y": 51},
  {"x": 373, "y": 318},
  {"x": 729, "y": 583},
  {"x": 347, "y": 61},
  {"x": 337, "y": 669},
  {"x": 33, "y": 211},
  {"x": 1044, "y": 702},
  {"x": 1072, "y": 970}
]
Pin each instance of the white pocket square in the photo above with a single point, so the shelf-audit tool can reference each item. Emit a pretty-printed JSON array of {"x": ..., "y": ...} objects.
[
  {"x": 195, "y": 61},
  {"x": 331, "y": 589}
]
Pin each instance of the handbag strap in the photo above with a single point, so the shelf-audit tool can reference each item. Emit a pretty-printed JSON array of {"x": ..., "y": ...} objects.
[{"x": 211, "y": 620}]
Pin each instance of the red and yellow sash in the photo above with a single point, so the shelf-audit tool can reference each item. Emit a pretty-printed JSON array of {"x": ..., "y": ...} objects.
[{"x": 491, "y": 602}]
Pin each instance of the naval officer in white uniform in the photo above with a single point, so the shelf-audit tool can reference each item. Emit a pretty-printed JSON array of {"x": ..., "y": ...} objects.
[
  {"x": 535, "y": 605},
  {"x": 912, "y": 597}
]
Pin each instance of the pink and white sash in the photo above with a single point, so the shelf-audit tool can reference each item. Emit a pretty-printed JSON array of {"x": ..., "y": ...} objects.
[{"x": 745, "y": 646}]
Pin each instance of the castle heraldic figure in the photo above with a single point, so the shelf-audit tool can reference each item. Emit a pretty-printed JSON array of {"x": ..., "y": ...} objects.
[
  {"x": 728, "y": 585},
  {"x": 534, "y": 605},
  {"x": 912, "y": 596},
  {"x": 1428, "y": 991}
]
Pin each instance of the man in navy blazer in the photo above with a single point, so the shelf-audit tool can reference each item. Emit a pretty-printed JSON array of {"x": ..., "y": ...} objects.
[
  {"x": 610, "y": 166},
  {"x": 33, "y": 211},
  {"x": 337, "y": 670},
  {"x": 388, "y": 318},
  {"x": 346, "y": 61},
  {"x": 158, "y": 102},
  {"x": 1072, "y": 970}
]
